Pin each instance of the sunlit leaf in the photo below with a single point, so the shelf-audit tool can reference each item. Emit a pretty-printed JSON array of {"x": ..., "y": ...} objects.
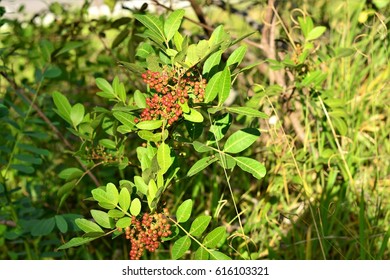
[
  {"x": 77, "y": 114},
  {"x": 251, "y": 166},
  {"x": 172, "y": 23},
  {"x": 101, "y": 218},
  {"x": 124, "y": 199},
  {"x": 180, "y": 247},
  {"x": 199, "y": 225},
  {"x": 200, "y": 165},
  {"x": 164, "y": 157},
  {"x": 240, "y": 140},
  {"x": 183, "y": 212},
  {"x": 214, "y": 237},
  {"x": 135, "y": 207},
  {"x": 88, "y": 226}
]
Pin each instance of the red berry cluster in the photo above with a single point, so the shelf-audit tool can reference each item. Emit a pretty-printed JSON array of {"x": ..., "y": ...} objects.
[
  {"x": 170, "y": 91},
  {"x": 147, "y": 233}
]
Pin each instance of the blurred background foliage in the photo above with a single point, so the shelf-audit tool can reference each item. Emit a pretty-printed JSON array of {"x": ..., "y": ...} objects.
[{"x": 331, "y": 141}]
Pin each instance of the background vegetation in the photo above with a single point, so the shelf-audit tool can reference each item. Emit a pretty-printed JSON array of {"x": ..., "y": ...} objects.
[{"x": 325, "y": 146}]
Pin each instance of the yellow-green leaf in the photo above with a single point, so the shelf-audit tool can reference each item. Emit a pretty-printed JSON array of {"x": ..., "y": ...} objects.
[
  {"x": 164, "y": 157},
  {"x": 135, "y": 207},
  {"x": 214, "y": 237},
  {"x": 172, "y": 23},
  {"x": 183, "y": 212},
  {"x": 251, "y": 166},
  {"x": 124, "y": 199},
  {"x": 240, "y": 140}
]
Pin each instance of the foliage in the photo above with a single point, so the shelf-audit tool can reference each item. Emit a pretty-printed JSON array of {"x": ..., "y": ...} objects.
[{"x": 155, "y": 142}]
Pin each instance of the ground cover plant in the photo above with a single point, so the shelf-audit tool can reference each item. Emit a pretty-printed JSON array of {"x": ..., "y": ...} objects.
[{"x": 199, "y": 133}]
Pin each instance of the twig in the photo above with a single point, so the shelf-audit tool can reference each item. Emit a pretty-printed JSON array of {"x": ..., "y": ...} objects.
[
  {"x": 8, "y": 223},
  {"x": 199, "y": 13}
]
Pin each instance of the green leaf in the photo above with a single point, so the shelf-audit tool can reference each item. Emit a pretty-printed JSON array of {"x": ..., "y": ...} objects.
[
  {"x": 124, "y": 199},
  {"x": 218, "y": 36},
  {"x": 180, "y": 247},
  {"x": 144, "y": 50},
  {"x": 125, "y": 118},
  {"x": 251, "y": 166},
  {"x": 344, "y": 52},
  {"x": 23, "y": 168},
  {"x": 193, "y": 116},
  {"x": 220, "y": 127},
  {"x": 88, "y": 226},
  {"x": 172, "y": 23},
  {"x": 70, "y": 46},
  {"x": 133, "y": 67},
  {"x": 149, "y": 136},
  {"x": 200, "y": 165},
  {"x": 201, "y": 254},
  {"x": 105, "y": 86},
  {"x": 61, "y": 223},
  {"x": 154, "y": 24},
  {"x": 315, "y": 77},
  {"x": 114, "y": 213},
  {"x": 63, "y": 106},
  {"x": 101, "y": 218},
  {"x": 112, "y": 193},
  {"x": 52, "y": 72},
  {"x": 224, "y": 85},
  {"x": 103, "y": 198},
  {"x": 28, "y": 158},
  {"x": 236, "y": 57},
  {"x": 43, "y": 227},
  {"x": 77, "y": 114},
  {"x": 76, "y": 241},
  {"x": 315, "y": 33},
  {"x": 199, "y": 225},
  {"x": 191, "y": 56},
  {"x": 216, "y": 255},
  {"x": 306, "y": 25},
  {"x": 151, "y": 194},
  {"x": 71, "y": 173},
  {"x": 226, "y": 160},
  {"x": 164, "y": 157},
  {"x": 211, "y": 62},
  {"x": 247, "y": 111},
  {"x": 108, "y": 143},
  {"x": 66, "y": 188},
  {"x": 214, "y": 237},
  {"x": 142, "y": 187},
  {"x": 183, "y": 212},
  {"x": 178, "y": 41},
  {"x": 139, "y": 99},
  {"x": 123, "y": 222},
  {"x": 135, "y": 207},
  {"x": 240, "y": 140},
  {"x": 33, "y": 149},
  {"x": 46, "y": 47},
  {"x": 150, "y": 125},
  {"x": 119, "y": 90},
  {"x": 120, "y": 21},
  {"x": 120, "y": 37},
  {"x": 200, "y": 147},
  {"x": 212, "y": 88}
]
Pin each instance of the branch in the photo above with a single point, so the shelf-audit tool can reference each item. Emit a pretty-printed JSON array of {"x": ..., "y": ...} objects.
[
  {"x": 199, "y": 13},
  {"x": 8, "y": 223}
]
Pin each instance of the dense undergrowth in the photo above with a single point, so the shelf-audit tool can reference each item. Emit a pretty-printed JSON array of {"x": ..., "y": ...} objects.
[{"x": 319, "y": 70}]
